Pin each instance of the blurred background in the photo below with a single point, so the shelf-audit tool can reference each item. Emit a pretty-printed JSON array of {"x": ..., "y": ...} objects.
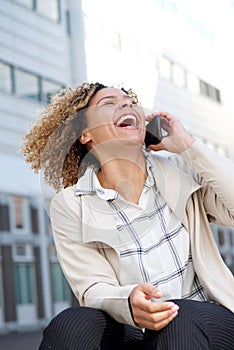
[{"x": 178, "y": 57}]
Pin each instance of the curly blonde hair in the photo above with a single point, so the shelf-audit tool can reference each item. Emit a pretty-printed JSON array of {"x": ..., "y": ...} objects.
[{"x": 53, "y": 144}]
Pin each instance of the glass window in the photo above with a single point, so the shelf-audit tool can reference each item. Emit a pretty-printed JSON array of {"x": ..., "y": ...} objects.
[
  {"x": 18, "y": 211},
  {"x": 23, "y": 279},
  {"x": 4, "y": 218},
  {"x": 49, "y": 89},
  {"x": 68, "y": 22},
  {"x": 26, "y": 3},
  {"x": 20, "y": 250},
  {"x": 49, "y": 8},
  {"x": 214, "y": 93},
  {"x": 60, "y": 288},
  {"x": 165, "y": 68},
  {"x": 204, "y": 88},
  {"x": 34, "y": 220},
  {"x": 1, "y": 283},
  {"x": 5, "y": 78},
  {"x": 26, "y": 84},
  {"x": 178, "y": 74},
  {"x": 210, "y": 91}
]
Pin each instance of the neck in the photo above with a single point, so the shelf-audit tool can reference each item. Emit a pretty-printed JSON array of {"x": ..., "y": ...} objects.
[{"x": 126, "y": 176}]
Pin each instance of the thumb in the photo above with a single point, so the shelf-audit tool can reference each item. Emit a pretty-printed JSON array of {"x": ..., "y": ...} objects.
[
  {"x": 159, "y": 147},
  {"x": 150, "y": 291}
]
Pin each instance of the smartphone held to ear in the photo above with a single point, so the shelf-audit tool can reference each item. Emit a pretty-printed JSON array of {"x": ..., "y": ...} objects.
[{"x": 153, "y": 134}]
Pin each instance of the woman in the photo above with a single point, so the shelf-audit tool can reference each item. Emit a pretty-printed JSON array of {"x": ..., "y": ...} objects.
[{"x": 132, "y": 226}]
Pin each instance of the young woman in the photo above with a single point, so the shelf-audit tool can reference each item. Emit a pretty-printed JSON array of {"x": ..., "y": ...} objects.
[{"x": 132, "y": 226}]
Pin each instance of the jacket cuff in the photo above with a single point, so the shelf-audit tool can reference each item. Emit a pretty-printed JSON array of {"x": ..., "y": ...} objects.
[
  {"x": 113, "y": 300},
  {"x": 194, "y": 150}
]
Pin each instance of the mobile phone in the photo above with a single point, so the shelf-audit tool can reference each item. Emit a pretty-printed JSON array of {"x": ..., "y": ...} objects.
[{"x": 153, "y": 134}]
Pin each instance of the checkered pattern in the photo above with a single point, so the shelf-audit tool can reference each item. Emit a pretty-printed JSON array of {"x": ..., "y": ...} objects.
[{"x": 153, "y": 242}]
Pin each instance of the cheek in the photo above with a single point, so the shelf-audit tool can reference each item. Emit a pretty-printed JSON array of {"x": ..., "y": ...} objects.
[
  {"x": 103, "y": 132},
  {"x": 99, "y": 124},
  {"x": 96, "y": 120}
]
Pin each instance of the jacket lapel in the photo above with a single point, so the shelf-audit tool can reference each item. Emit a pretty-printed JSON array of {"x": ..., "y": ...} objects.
[
  {"x": 98, "y": 224},
  {"x": 174, "y": 184}
]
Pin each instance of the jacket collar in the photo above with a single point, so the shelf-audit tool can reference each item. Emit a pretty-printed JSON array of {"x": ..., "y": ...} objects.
[
  {"x": 174, "y": 184},
  {"x": 89, "y": 183},
  {"x": 98, "y": 224}
]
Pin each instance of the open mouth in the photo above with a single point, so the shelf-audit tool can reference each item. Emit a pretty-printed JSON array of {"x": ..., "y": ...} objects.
[{"x": 126, "y": 120}]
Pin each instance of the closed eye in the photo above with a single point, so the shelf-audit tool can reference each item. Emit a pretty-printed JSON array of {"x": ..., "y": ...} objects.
[
  {"x": 112, "y": 100},
  {"x": 109, "y": 103},
  {"x": 133, "y": 101}
]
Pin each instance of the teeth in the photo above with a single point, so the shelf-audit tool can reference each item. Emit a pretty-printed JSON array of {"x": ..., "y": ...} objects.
[{"x": 125, "y": 117}]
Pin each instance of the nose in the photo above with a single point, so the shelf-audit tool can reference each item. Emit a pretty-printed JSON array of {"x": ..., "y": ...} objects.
[{"x": 126, "y": 103}]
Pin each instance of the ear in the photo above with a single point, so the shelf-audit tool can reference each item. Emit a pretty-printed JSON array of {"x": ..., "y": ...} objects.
[{"x": 85, "y": 138}]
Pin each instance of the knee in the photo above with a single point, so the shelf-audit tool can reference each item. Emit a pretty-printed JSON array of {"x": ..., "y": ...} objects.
[
  {"x": 78, "y": 319},
  {"x": 71, "y": 328},
  {"x": 64, "y": 318}
]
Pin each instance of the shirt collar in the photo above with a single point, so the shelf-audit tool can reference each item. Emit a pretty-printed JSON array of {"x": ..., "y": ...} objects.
[{"x": 89, "y": 183}]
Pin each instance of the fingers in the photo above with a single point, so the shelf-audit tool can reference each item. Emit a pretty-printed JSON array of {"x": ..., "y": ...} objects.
[
  {"x": 164, "y": 115},
  {"x": 150, "y": 291},
  {"x": 151, "y": 314},
  {"x": 177, "y": 139},
  {"x": 159, "y": 322},
  {"x": 142, "y": 293},
  {"x": 157, "y": 316}
]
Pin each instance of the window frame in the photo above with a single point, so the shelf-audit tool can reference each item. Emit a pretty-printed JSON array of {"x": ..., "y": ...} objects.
[
  {"x": 25, "y": 282},
  {"x": 210, "y": 91},
  {"x": 10, "y": 78},
  {"x": 34, "y": 75}
]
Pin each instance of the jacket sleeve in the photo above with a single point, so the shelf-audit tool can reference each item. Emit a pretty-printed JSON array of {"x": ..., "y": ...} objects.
[
  {"x": 215, "y": 174},
  {"x": 90, "y": 275}
]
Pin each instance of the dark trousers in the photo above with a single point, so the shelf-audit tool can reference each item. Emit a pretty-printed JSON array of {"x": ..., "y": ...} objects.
[{"x": 198, "y": 326}]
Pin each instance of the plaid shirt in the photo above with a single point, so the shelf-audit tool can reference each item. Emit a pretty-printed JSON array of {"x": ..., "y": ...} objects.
[{"x": 160, "y": 252}]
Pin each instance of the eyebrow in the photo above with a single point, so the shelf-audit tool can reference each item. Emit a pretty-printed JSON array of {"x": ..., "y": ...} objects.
[{"x": 107, "y": 97}]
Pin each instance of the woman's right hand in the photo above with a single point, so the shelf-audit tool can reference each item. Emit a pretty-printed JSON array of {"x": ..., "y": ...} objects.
[
  {"x": 177, "y": 139},
  {"x": 149, "y": 314}
]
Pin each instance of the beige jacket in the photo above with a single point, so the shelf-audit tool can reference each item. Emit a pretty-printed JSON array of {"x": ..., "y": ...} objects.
[{"x": 198, "y": 185}]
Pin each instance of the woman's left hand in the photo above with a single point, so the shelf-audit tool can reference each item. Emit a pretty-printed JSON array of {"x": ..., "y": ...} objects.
[{"x": 177, "y": 139}]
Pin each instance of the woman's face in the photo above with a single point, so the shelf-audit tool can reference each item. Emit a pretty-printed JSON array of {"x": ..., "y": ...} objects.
[{"x": 113, "y": 115}]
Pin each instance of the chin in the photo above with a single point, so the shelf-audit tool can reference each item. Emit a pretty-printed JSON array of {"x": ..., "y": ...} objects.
[{"x": 135, "y": 141}]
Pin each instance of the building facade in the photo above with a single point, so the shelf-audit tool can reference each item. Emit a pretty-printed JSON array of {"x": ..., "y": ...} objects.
[{"x": 47, "y": 45}]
